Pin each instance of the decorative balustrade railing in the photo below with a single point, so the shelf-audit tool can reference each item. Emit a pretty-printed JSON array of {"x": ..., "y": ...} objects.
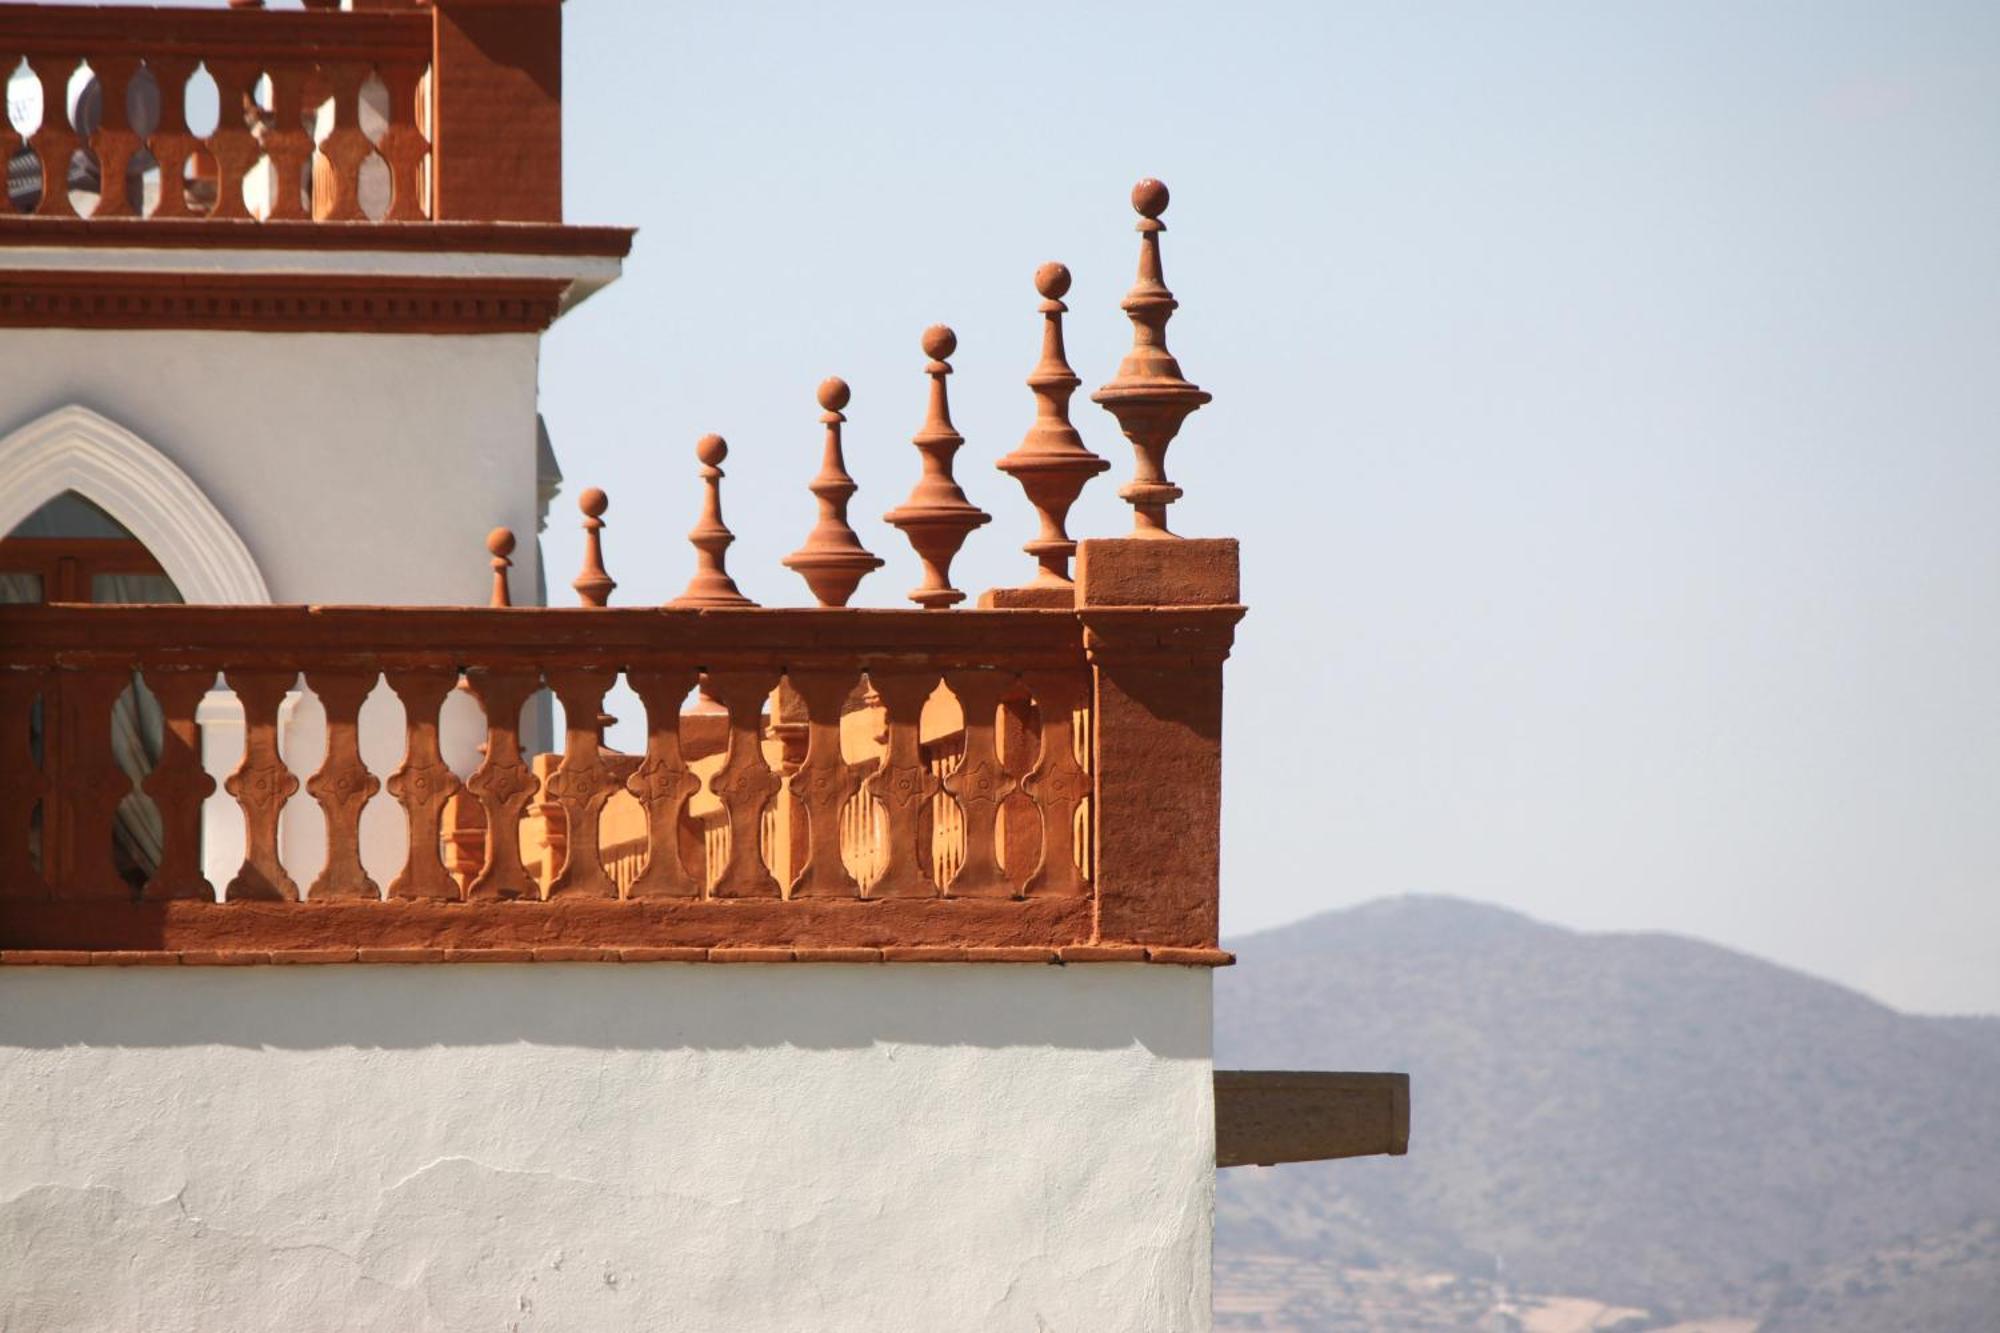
[
  {"x": 391, "y": 113},
  {"x": 801, "y": 731}
]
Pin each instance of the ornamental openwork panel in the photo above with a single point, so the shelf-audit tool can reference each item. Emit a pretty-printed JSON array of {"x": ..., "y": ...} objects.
[{"x": 451, "y": 778}]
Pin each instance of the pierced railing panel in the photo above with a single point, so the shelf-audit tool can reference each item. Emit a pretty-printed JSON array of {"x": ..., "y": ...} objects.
[
  {"x": 296, "y": 94},
  {"x": 788, "y": 758}
]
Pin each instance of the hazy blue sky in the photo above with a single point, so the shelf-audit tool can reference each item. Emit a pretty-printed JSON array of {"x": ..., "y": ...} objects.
[{"x": 1606, "y": 396}]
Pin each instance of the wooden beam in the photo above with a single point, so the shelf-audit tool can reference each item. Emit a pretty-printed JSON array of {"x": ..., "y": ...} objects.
[{"x": 1267, "y": 1116}]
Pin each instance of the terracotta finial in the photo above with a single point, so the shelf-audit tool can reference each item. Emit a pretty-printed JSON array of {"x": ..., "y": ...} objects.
[
  {"x": 833, "y": 561},
  {"x": 1052, "y": 462},
  {"x": 500, "y": 542},
  {"x": 593, "y": 586},
  {"x": 1148, "y": 395},
  {"x": 711, "y": 584},
  {"x": 937, "y": 517}
]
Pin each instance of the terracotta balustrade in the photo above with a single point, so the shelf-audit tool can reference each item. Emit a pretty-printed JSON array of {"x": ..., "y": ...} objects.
[
  {"x": 935, "y": 791},
  {"x": 391, "y": 112}
]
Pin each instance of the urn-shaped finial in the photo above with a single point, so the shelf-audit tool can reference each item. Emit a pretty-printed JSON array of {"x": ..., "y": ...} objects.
[
  {"x": 711, "y": 584},
  {"x": 937, "y": 517},
  {"x": 833, "y": 561},
  {"x": 593, "y": 586},
  {"x": 1148, "y": 395},
  {"x": 1052, "y": 463}
]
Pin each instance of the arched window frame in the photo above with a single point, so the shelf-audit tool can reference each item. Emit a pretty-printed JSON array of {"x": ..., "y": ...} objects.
[{"x": 75, "y": 449}]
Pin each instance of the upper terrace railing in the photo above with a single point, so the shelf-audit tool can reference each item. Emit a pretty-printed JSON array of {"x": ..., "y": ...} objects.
[
  {"x": 1035, "y": 778},
  {"x": 398, "y": 111}
]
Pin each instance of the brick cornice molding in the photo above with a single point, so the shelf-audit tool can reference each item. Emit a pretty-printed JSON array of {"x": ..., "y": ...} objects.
[
  {"x": 1158, "y": 637},
  {"x": 278, "y": 302},
  {"x": 657, "y": 930},
  {"x": 472, "y": 238}
]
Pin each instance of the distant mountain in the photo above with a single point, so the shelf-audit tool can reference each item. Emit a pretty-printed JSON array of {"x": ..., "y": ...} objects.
[{"x": 1618, "y": 1130}]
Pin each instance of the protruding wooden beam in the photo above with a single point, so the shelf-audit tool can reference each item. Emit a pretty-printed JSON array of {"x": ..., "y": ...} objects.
[{"x": 1267, "y": 1116}]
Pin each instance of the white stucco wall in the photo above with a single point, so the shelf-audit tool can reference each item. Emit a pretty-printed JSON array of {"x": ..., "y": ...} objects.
[
  {"x": 601, "y": 1147},
  {"x": 361, "y": 468}
]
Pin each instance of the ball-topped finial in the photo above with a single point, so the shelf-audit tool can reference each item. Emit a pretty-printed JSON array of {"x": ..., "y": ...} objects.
[
  {"x": 711, "y": 584},
  {"x": 1052, "y": 464},
  {"x": 833, "y": 561},
  {"x": 500, "y": 545},
  {"x": 939, "y": 342},
  {"x": 593, "y": 586},
  {"x": 937, "y": 516},
  {"x": 1149, "y": 198},
  {"x": 1149, "y": 395}
]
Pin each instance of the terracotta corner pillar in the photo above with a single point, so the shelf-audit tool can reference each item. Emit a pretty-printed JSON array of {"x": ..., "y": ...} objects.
[
  {"x": 1158, "y": 620},
  {"x": 496, "y": 110}
]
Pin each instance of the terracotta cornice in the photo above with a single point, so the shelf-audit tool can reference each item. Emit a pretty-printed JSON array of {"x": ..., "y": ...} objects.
[
  {"x": 500, "y": 238},
  {"x": 1044, "y": 930},
  {"x": 278, "y": 302},
  {"x": 1161, "y": 637}
]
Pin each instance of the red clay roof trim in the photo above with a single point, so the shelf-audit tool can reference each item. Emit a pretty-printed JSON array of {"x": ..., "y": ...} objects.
[
  {"x": 495, "y": 238},
  {"x": 1036, "y": 930},
  {"x": 270, "y": 957}
]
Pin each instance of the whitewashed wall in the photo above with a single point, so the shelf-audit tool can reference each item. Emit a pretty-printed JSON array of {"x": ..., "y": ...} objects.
[
  {"x": 602, "y": 1147},
  {"x": 356, "y": 467}
]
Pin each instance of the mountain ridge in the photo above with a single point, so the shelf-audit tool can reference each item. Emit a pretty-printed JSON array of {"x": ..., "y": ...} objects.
[{"x": 1641, "y": 1117}]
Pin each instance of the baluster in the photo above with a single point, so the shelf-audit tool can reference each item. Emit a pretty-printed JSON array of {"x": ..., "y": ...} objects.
[
  {"x": 1058, "y": 784},
  {"x": 581, "y": 784},
  {"x": 10, "y": 142},
  {"x": 937, "y": 518},
  {"x": 55, "y": 142},
  {"x": 171, "y": 143},
  {"x": 904, "y": 784},
  {"x": 503, "y": 783},
  {"x": 1148, "y": 395},
  {"x": 287, "y": 142},
  {"x": 22, "y": 784},
  {"x": 403, "y": 145},
  {"x": 823, "y": 785},
  {"x": 1020, "y": 741},
  {"x": 593, "y": 585},
  {"x": 233, "y": 146},
  {"x": 423, "y": 782},
  {"x": 745, "y": 783},
  {"x": 710, "y": 537},
  {"x": 979, "y": 783},
  {"x": 261, "y": 784},
  {"x": 663, "y": 784},
  {"x": 179, "y": 784},
  {"x": 114, "y": 142},
  {"x": 1052, "y": 463},
  {"x": 833, "y": 561},
  {"x": 344, "y": 149},
  {"x": 343, "y": 786}
]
